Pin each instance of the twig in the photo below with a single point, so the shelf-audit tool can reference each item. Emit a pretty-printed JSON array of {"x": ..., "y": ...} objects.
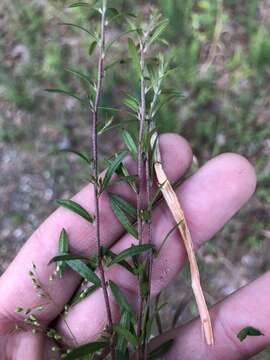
[
  {"x": 95, "y": 162},
  {"x": 178, "y": 214}
]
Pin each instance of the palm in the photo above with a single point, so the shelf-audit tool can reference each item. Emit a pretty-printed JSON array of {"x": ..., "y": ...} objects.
[{"x": 209, "y": 198}]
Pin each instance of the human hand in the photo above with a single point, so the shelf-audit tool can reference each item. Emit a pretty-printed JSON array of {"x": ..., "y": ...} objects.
[{"x": 209, "y": 199}]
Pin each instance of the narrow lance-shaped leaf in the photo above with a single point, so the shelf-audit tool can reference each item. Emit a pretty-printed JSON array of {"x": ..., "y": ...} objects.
[
  {"x": 79, "y": 4},
  {"x": 121, "y": 344},
  {"x": 120, "y": 298},
  {"x": 115, "y": 163},
  {"x": 134, "y": 55},
  {"x": 80, "y": 75},
  {"x": 131, "y": 102},
  {"x": 62, "y": 249},
  {"x": 85, "y": 350},
  {"x": 248, "y": 331},
  {"x": 81, "y": 155},
  {"x": 133, "y": 251},
  {"x": 76, "y": 208},
  {"x": 132, "y": 339},
  {"x": 121, "y": 216},
  {"x": 81, "y": 28},
  {"x": 143, "y": 276},
  {"x": 130, "y": 143},
  {"x": 175, "y": 92},
  {"x": 161, "y": 350},
  {"x": 67, "y": 257},
  {"x": 122, "y": 172},
  {"x": 65, "y": 92},
  {"x": 86, "y": 273},
  {"x": 111, "y": 255},
  {"x": 124, "y": 205},
  {"x": 92, "y": 47},
  {"x": 158, "y": 31},
  {"x": 82, "y": 294},
  {"x": 104, "y": 127}
]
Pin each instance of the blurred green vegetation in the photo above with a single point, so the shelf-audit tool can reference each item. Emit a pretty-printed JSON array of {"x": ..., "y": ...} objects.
[{"x": 222, "y": 49}]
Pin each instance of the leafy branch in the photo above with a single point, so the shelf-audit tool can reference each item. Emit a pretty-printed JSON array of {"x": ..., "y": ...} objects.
[{"x": 95, "y": 111}]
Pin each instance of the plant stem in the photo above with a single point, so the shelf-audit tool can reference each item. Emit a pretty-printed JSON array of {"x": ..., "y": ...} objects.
[
  {"x": 141, "y": 179},
  {"x": 149, "y": 240},
  {"x": 95, "y": 111},
  {"x": 140, "y": 144},
  {"x": 177, "y": 212}
]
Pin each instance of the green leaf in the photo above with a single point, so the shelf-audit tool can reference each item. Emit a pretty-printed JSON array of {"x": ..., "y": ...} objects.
[
  {"x": 92, "y": 47},
  {"x": 86, "y": 273},
  {"x": 111, "y": 255},
  {"x": 134, "y": 55},
  {"x": 76, "y": 208},
  {"x": 114, "y": 165},
  {"x": 174, "y": 92},
  {"x": 121, "y": 216},
  {"x": 81, "y": 28},
  {"x": 65, "y": 92},
  {"x": 132, "y": 103},
  {"x": 67, "y": 257},
  {"x": 63, "y": 242},
  {"x": 124, "y": 205},
  {"x": 101, "y": 129},
  {"x": 132, "y": 251},
  {"x": 85, "y": 350},
  {"x": 78, "y": 4},
  {"x": 62, "y": 249},
  {"x": 158, "y": 31},
  {"x": 120, "y": 330},
  {"x": 121, "y": 344},
  {"x": 122, "y": 172},
  {"x": 81, "y": 294},
  {"x": 120, "y": 298},
  {"x": 248, "y": 331},
  {"x": 161, "y": 350},
  {"x": 80, "y": 75},
  {"x": 82, "y": 156}
]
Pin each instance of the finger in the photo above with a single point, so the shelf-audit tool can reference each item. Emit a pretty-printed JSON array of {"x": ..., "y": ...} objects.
[
  {"x": 22, "y": 345},
  {"x": 15, "y": 285},
  {"x": 249, "y": 306},
  {"x": 209, "y": 199}
]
